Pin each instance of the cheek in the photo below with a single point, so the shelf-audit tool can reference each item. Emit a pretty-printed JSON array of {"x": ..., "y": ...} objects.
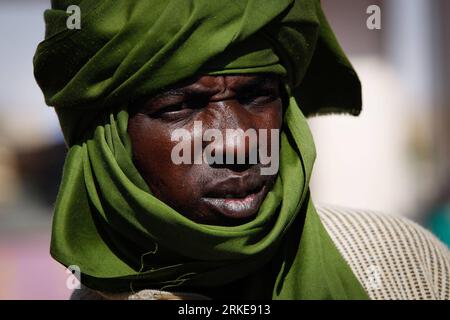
[
  {"x": 271, "y": 118},
  {"x": 149, "y": 143},
  {"x": 277, "y": 116},
  {"x": 152, "y": 148}
]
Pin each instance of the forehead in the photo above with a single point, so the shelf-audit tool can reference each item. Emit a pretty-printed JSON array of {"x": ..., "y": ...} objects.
[{"x": 232, "y": 81}]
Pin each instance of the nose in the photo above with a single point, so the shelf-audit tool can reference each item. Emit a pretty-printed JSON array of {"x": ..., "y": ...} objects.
[{"x": 238, "y": 147}]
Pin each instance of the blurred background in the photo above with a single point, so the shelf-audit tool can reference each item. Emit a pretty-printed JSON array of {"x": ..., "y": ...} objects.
[{"x": 394, "y": 158}]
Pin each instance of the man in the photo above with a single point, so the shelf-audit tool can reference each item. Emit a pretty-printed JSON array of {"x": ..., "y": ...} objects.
[{"x": 137, "y": 88}]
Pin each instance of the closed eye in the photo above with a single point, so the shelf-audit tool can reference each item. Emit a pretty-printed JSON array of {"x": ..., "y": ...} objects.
[
  {"x": 197, "y": 102},
  {"x": 257, "y": 100},
  {"x": 168, "y": 110},
  {"x": 181, "y": 109}
]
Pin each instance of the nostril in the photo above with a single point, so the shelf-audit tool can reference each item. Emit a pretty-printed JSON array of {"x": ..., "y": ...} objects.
[
  {"x": 233, "y": 167},
  {"x": 234, "y": 162}
]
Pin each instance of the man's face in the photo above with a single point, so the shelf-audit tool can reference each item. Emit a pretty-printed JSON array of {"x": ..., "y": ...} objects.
[{"x": 219, "y": 194}]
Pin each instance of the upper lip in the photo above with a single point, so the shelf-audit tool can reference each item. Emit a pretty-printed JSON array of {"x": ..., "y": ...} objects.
[{"x": 234, "y": 187}]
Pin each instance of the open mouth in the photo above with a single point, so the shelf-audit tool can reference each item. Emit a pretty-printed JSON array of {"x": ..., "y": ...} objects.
[{"x": 236, "y": 204}]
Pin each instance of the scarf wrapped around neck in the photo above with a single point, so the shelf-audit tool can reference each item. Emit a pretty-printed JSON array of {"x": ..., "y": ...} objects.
[{"x": 106, "y": 220}]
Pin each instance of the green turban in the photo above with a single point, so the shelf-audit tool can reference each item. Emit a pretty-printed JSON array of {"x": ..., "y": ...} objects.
[{"x": 106, "y": 220}]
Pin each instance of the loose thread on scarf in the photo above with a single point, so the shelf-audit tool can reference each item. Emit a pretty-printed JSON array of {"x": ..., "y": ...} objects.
[{"x": 143, "y": 265}]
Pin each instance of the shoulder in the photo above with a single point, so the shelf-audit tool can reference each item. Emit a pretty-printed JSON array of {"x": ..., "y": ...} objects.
[
  {"x": 85, "y": 293},
  {"x": 393, "y": 257}
]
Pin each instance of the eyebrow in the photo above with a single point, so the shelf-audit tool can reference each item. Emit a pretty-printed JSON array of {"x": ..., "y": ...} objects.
[
  {"x": 258, "y": 82},
  {"x": 193, "y": 90}
]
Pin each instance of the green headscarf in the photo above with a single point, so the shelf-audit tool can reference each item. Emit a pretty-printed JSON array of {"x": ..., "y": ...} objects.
[{"x": 106, "y": 220}]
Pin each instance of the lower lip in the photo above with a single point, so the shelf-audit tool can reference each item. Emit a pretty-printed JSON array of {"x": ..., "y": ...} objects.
[{"x": 237, "y": 208}]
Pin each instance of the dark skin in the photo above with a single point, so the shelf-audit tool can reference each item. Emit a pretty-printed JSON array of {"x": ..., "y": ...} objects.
[{"x": 216, "y": 194}]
